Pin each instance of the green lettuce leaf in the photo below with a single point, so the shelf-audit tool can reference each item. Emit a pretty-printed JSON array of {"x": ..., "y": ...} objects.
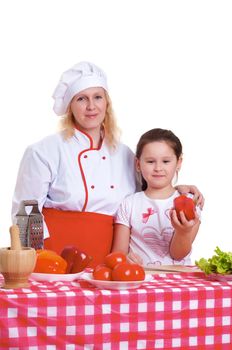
[{"x": 221, "y": 262}]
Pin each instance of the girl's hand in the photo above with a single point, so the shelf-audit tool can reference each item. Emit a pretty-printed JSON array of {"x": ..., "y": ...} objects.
[
  {"x": 184, "y": 234},
  {"x": 183, "y": 225},
  {"x": 134, "y": 258},
  {"x": 197, "y": 195}
]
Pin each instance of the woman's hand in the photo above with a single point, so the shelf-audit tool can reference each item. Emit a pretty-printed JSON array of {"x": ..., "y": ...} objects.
[{"x": 197, "y": 195}]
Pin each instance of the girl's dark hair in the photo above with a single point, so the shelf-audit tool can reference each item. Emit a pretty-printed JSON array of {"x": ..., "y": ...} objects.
[{"x": 158, "y": 135}]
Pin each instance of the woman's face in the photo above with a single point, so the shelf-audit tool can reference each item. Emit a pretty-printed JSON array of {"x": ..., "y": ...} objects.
[{"x": 89, "y": 108}]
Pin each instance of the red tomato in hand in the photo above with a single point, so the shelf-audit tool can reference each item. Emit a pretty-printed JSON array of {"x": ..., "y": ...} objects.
[
  {"x": 185, "y": 204},
  {"x": 128, "y": 272},
  {"x": 102, "y": 272},
  {"x": 112, "y": 259}
]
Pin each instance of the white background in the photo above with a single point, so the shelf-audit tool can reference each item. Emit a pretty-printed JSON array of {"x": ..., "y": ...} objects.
[{"x": 169, "y": 65}]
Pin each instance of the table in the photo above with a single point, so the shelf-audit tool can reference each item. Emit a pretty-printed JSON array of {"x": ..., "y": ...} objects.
[{"x": 173, "y": 311}]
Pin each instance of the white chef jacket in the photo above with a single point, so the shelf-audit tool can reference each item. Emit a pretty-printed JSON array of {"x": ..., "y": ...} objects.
[{"x": 72, "y": 175}]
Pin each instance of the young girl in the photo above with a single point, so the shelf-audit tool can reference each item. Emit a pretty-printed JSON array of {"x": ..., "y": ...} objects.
[{"x": 146, "y": 225}]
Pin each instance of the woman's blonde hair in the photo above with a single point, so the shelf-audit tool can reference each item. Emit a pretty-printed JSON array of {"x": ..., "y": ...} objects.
[{"x": 111, "y": 130}]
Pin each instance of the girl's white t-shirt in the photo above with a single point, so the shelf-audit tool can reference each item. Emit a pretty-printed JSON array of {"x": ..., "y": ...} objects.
[{"x": 151, "y": 228}]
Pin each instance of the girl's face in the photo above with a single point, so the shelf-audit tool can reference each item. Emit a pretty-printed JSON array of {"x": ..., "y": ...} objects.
[
  {"x": 89, "y": 108},
  {"x": 158, "y": 164}
]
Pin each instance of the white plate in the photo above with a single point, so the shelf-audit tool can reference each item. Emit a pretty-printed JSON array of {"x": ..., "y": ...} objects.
[
  {"x": 115, "y": 284},
  {"x": 219, "y": 277},
  {"x": 51, "y": 277}
]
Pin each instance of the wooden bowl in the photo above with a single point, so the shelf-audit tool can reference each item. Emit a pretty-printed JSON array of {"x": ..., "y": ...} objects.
[{"x": 16, "y": 266}]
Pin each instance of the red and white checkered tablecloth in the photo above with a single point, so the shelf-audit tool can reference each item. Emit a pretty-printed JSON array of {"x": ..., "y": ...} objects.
[{"x": 174, "y": 311}]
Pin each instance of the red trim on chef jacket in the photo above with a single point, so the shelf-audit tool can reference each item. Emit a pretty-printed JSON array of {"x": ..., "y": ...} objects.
[{"x": 80, "y": 166}]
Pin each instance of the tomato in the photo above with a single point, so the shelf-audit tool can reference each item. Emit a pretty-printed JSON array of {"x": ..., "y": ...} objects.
[
  {"x": 102, "y": 272},
  {"x": 139, "y": 272},
  {"x": 49, "y": 262},
  {"x": 185, "y": 204},
  {"x": 112, "y": 259},
  {"x": 128, "y": 272},
  {"x": 77, "y": 260}
]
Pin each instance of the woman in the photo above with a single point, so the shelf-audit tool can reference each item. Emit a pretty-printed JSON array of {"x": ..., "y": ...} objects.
[{"x": 79, "y": 175}]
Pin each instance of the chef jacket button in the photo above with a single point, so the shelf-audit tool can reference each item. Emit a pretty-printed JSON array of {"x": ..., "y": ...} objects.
[
  {"x": 92, "y": 186},
  {"x": 85, "y": 156},
  {"x": 104, "y": 157},
  {"x": 112, "y": 186}
]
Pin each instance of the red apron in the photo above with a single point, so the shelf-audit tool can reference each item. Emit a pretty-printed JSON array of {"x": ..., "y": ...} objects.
[{"x": 90, "y": 232}]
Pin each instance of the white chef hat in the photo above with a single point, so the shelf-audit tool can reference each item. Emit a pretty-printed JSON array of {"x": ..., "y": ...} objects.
[{"x": 81, "y": 76}]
